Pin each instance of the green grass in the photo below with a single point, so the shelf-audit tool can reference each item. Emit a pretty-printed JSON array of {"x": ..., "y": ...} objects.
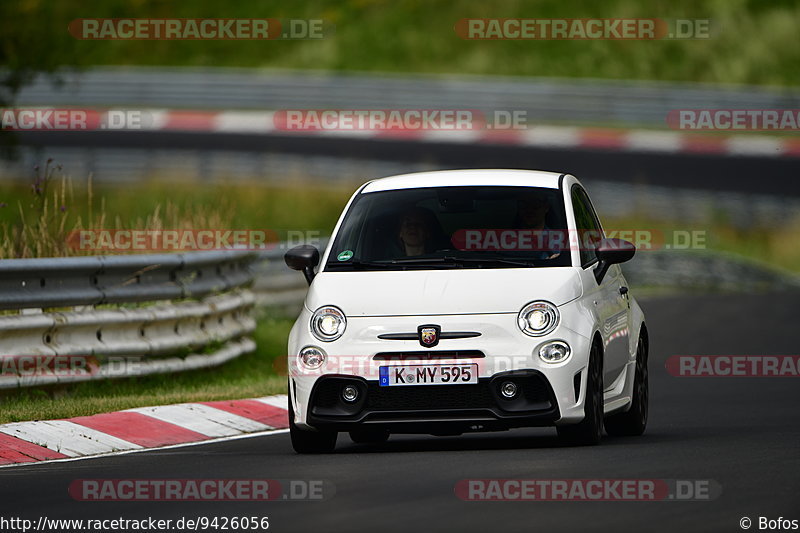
[
  {"x": 753, "y": 42},
  {"x": 775, "y": 245},
  {"x": 250, "y": 375},
  {"x": 28, "y": 230}
]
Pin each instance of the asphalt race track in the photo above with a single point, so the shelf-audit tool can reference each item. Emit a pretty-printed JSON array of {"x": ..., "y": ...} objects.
[{"x": 744, "y": 433}]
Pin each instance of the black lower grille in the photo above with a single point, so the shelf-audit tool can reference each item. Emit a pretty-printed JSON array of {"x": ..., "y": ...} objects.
[
  {"x": 423, "y": 397},
  {"x": 534, "y": 398},
  {"x": 328, "y": 393}
]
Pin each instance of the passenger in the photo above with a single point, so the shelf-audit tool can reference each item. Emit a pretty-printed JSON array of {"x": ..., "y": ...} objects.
[{"x": 532, "y": 212}]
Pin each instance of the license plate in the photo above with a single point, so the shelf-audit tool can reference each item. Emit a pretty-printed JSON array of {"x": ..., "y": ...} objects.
[{"x": 428, "y": 375}]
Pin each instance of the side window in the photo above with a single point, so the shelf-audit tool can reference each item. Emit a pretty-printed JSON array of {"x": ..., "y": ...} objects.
[
  {"x": 593, "y": 213},
  {"x": 589, "y": 232}
]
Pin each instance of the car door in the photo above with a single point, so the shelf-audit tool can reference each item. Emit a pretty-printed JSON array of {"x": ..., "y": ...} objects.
[
  {"x": 608, "y": 297},
  {"x": 615, "y": 326}
]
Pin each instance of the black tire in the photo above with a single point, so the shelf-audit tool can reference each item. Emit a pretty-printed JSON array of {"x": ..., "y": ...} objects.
[
  {"x": 589, "y": 431},
  {"x": 305, "y": 441},
  {"x": 633, "y": 422},
  {"x": 369, "y": 436}
]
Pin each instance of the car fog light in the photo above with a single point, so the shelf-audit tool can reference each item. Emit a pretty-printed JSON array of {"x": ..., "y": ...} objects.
[
  {"x": 312, "y": 357},
  {"x": 508, "y": 389},
  {"x": 554, "y": 352},
  {"x": 349, "y": 393}
]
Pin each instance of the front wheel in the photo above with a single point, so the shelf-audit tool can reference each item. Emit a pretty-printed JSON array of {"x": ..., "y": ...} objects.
[
  {"x": 305, "y": 441},
  {"x": 633, "y": 421},
  {"x": 589, "y": 431}
]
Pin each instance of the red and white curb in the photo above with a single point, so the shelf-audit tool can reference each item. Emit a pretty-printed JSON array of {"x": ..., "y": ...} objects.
[
  {"x": 627, "y": 140},
  {"x": 139, "y": 429}
]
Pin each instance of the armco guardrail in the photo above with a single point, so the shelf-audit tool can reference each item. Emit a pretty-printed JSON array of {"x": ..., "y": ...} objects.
[
  {"x": 706, "y": 270},
  {"x": 198, "y": 314},
  {"x": 38, "y": 283}
]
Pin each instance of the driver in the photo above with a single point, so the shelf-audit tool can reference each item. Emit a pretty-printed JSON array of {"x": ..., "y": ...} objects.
[
  {"x": 416, "y": 232},
  {"x": 532, "y": 211}
]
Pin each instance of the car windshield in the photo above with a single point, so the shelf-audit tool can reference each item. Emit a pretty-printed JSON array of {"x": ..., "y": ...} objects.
[{"x": 453, "y": 227}]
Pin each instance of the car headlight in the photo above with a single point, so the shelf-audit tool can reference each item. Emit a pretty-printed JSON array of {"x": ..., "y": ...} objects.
[
  {"x": 312, "y": 357},
  {"x": 538, "y": 318},
  {"x": 328, "y": 323},
  {"x": 554, "y": 352}
]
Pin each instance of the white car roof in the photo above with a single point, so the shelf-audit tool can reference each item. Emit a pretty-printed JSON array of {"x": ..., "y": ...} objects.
[{"x": 454, "y": 178}]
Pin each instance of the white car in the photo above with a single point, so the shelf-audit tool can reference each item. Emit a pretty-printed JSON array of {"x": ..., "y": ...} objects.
[{"x": 466, "y": 300}]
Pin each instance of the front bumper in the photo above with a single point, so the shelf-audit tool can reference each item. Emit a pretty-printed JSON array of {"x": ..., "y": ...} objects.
[{"x": 434, "y": 408}]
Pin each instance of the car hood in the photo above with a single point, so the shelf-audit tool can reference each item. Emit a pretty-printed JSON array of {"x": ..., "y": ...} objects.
[{"x": 442, "y": 292}]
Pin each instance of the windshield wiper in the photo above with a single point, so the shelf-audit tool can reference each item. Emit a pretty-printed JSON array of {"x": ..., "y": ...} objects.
[
  {"x": 425, "y": 261},
  {"x": 449, "y": 259},
  {"x": 402, "y": 263},
  {"x": 492, "y": 261}
]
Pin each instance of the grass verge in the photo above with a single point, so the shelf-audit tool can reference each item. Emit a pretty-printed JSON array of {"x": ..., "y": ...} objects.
[
  {"x": 775, "y": 246},
  {"x": 36, "y": 218}
]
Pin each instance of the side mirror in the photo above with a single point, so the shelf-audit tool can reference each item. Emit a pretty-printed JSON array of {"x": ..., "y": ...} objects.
[
  {"x": 305, "y": 258},
  {"x": 610, "y": 252}
]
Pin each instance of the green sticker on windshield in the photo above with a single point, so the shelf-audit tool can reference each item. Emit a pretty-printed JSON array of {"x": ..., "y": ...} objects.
[{"x": 345, "y": 256}]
